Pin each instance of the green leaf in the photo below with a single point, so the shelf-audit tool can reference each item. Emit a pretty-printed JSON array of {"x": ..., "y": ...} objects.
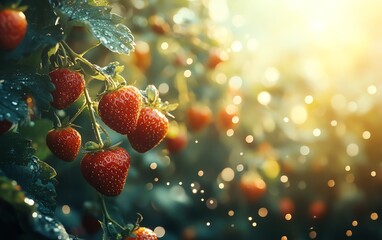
[
  {"x": 18, "y": 82},
  {"x": 43, "y": 31},
  {"x": 105, "y": 26},
  {"x": 35, "y": 177},
  {"x": 34, "y": 202}
]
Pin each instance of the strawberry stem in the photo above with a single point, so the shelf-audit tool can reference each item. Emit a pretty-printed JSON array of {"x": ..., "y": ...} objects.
[
  {"x": 89, "y": 104},
  {"x": 106, "y": 213},
  {"x": 75, "y": 56},
  {"x": 78, "y": 113}
]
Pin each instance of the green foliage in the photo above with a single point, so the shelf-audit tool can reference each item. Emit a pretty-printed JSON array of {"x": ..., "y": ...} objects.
[
  {"x": 37, "y": 182},
  {"x": 105, "y": 26},
  {"x": 18, "y": 82},
  {"x": 35, "y": 177}
]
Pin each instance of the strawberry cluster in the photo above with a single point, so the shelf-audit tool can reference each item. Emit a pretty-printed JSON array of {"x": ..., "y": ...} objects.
[{"x": 140, "y": 115}]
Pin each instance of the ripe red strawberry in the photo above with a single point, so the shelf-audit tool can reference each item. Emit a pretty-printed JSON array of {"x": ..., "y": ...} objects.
[
  {"x": 176, "y": 142},
  {"x": 224, "y": 119},
  {"x": 214, "y": 58},
  {"x": 152, "y": 127},
  {"x": 143, "y": 233},
  {"x": 13, "y": 27},
  {"x": 252, "y": 187},
  {"x": 69, "y": 86},
  {"x": 198, "y": 117},
  {"x": 119, "y": 109},
  {"x": 159, "y": 25},
  {"x": 5, "y": 126},
  {"x": 106, "y": 170},
  {"x": 64, "y": 143}
]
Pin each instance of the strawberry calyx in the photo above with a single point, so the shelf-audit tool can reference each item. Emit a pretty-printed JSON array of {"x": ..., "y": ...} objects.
[{"x": 151, "y": 99}]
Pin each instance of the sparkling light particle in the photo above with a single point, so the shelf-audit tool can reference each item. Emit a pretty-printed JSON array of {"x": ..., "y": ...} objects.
[
  {"x": 309, "y": 99},
  {"x": 316, "y": 132},
  {"x": 187, "y": 73},
  {"x": 231, "y": 213},
  {"x": 200, "y": 173},
  {"x": 235, "y": 119},
  {"x": 230, "y": 132},
  {"x": 163, "y": 88},
  {"x": 313, "y": 234},
  {"x": 298, "y": 114},
  {"x": 304, "y": 150},
  {"x": 189, "y": 61},
  {"x": 240, "y": 167},
  {"x": 235, "y": 82},
  {"x": 65, "y": 209},
  {"x": 366, "y": 135},
  {"x": 349, "y": 233},
  {"x": 333, "y": 123},
  {"x": 164, "y": 45},
  {"x": 159, "y": 231},
  {"x": 153, "y": 166},
  {"x": 372, "y": 89},
  {"x": 284, "y": 178},
  {"x": 288, "y": 216},
  {"x": 331, "y": 183},
  {"x": 352, "y": 149},
  {"x": 236, "y": 100},
  {"x": 236, "y": 46},
  {"x": 264, "y": 98},
  {"x": 149, "y": 186},
  {"x": 211, "y": 203},
  {"x": 272, "y": 76},
  {"x": 208, "y": 224},
  {"x": 373, "y": 173},
  {"x": 284, "y": 238},
  {"x": 347, "y": 168},
  {"x": 249, "y": 139},
  {"x": 254, "y": 224},
  {"x": 227, "y": 174},
  {"x": 374, "y": 216},
  {"x": 263, "y": 212},
  {"x": 221, "y": 185},
  {"x": 354, "y": 223}
]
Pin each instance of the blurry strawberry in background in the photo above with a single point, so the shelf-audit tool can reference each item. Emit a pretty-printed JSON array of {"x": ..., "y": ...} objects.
[
  {"x": 198, "y": 117},
  {"x": 176, "y": 139}
]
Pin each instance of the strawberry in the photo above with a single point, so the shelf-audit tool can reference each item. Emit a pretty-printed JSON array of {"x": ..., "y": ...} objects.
[
  {"x": 64, "y": 143},
  {"x": 143, "y": 233},
  {"x": 5, "y": 126},
  {"x": 176, "y": 143},
  {"x": 152, "y": 127},
  {"x": 106, "y": 170},
  {"x": 13, "y": 27},
  {"x": 142, "y": 56},
  {"x": 119, "y": 109},
  {"x": 176, "y": 139},
  {"x": 252, "y": 186},
  {"x": 69, "y": 86},
  {"x": 198, "y": 117},
  {"x": 225, "y": 119},
  {"x": 214, "y": 58},
  {"x": 159, "y": 25}
]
